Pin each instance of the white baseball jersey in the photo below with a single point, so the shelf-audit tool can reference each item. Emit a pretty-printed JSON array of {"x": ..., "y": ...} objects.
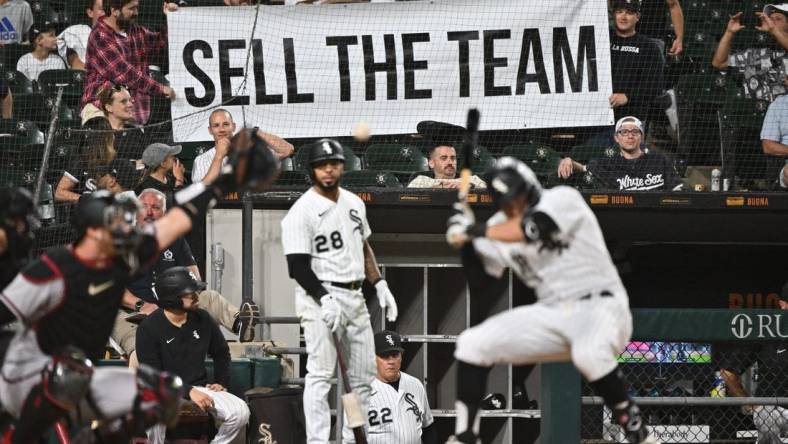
[
  {"x": 397, "y": 416},
  {"x": 202, "y": 163},
  {"x": 333, "y": 233},
  {"x": 583, "y": 266}
]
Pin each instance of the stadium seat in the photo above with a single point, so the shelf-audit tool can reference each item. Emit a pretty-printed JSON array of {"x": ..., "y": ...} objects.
[
  {"x": 37, "y": 108},
  {"x": 586, "y": 153},
  {"x": 370, "y": 179},
  {"x": 71, "y": 80},
  {"x": 352, "y": 161},
  {"x": 395, "y": 157},
  {"x": 18, "y": 83},
  {"x": 541, "y": 158},
  {"x": 482, "y": 159},
  {"x": 296, "y": 180},
  {"x": 24, "y": 132},
  {"x": 740, "y": 146},
  {"x": 10, "y": 54}
]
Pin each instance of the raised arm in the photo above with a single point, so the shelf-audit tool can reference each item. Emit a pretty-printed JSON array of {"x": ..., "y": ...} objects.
[
  {"x": 723, "y": 51},
  {"x": 282, "y": 148},
  {"x": 677, "y": 17}
]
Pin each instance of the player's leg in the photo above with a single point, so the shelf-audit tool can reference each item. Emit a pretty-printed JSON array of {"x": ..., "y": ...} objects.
[
  {"x": 124, "y": 333},
  {"x": 599, "y": 331},
  {"x": 524, "y": 335},
  {"x": 360, "y": 343},
  {"x": 320, "y": 365},
  {"x": 239, "y": 320},
  {"x": 231, "y": 414},
  {"x": 769, "y": 422}
]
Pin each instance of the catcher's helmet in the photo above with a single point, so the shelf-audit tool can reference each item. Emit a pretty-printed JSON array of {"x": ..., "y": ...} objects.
[
  {"x": 509, "y": 178},
  {"x": 174, "y": 283},
  {"x": 17, "y": 203},
  {"x": 325, "y": 149}
]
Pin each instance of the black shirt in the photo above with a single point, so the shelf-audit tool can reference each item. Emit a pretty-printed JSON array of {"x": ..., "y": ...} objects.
[
  {"x": 653, "y": 19},
  {"x": 772, "y": 359},
  {"x": 650, "y": 171},
  {"x": 169, "y": 189},
  {"x": 179, "y": 254},
  {"x": 637, "y": 68},
  {"x": 182, "y": 350}
]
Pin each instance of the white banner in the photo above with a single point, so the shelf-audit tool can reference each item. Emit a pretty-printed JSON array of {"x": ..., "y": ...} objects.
[{"x": 309, "y": 71}]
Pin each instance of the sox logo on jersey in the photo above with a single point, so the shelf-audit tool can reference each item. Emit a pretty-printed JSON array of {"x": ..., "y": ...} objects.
[{"x": 398, "y": 416}]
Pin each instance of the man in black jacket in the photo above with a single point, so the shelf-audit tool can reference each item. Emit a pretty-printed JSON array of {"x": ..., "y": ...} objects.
[{"x": 177, "y": 338}]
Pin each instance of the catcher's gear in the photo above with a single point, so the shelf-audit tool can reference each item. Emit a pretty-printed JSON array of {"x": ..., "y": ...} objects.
[
  {"x": 509, "y": 178},
  {"x": 251, "y": 165},
  {"x": 18, "y": 219},
  {"x": 174, "y": 283},
  {"x": 116, "y": 213},
  {"x": 66, "y": 379}
]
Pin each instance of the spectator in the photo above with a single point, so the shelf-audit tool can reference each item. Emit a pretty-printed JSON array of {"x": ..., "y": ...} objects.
[
  {"x": 636, "y": 61},
  {"x": 443, "y": 165},
  {"x": 177, "y": 338},
  {"x": 770, "y": 421},
  {"x": 73, "y": 41},
  {"x": 222, "y": 127},
  {"x": 633, "y": 169},
  {"x": 16, "y": 18},
  {"x": 163, "y": 171},
  {"x": 774, "y": 136},
  {"x": 398, "y": 396},
  {"x": 764, "y": 69},
  {"x": 118, "y": 53},
  {"x": 44, "y": 55},
  {"x": 6, "y": 101},
  {"x": 117, "y": 105},
  {"x": 94, "y": 157},
  {"x": 139, "y": 299},
  {"x": 652, "y": 22}
]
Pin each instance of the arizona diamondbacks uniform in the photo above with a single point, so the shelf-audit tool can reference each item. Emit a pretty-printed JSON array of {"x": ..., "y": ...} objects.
[
  {"x": 333, "y": 233},
  {"x": 397, "y": 416},
  {"x": 582, "y": 313}
]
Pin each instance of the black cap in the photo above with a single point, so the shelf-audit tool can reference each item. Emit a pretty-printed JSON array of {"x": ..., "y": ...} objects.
[
  {"x": 387, "y": 341},
  {"x": 37, "y": 30},
  {"x": 633, "y": 5}
]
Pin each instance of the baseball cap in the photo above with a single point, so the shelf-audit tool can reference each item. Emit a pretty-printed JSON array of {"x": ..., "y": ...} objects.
[
  {"x": 629, "y": 119},
  {"x": 387, "y": 341},
  {"x": 37, "y": 30},
  {"x": 633, "y": 5},
  {"x": 781, "y": 8},
  {"x": 155, "y": 153}
]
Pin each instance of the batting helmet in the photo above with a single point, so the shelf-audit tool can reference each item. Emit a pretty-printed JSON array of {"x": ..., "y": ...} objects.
[
  {"x": 325, "y": 149},
  {"x": 17, "y": 204},
  {"x": 174, "y": 283},
  {"x": 509, "y": 178}
]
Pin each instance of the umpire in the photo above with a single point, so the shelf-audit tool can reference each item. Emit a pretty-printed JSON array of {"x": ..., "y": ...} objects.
[{"x": 177, "y": 338}]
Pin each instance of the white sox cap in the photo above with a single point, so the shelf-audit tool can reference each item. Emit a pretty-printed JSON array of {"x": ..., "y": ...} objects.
[
  {"x": 629, "y": 119},
  {"x": 769, "y": 9}
]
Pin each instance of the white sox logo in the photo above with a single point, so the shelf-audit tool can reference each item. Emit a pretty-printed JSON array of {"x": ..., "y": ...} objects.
[
  {"x": 390, "y": 340},
  {"x": 413, "y": 406},
  {"x": 266, "y": 437},
  {"x": 359, "y": 223}
]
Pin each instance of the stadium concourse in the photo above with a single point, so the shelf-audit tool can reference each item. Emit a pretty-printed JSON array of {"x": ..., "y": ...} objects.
[{"x": 624, "y": 100}]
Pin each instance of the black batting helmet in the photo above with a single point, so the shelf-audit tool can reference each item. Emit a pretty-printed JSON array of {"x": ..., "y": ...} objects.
[
  {"x": 325, "y": 149},
  {"x": 509, "y": 178},
  {"x": 174, "y": 283},
  {"x": 17, "y": 204}
]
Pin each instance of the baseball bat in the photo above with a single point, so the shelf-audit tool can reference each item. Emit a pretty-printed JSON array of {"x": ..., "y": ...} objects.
[
  {"x": 469, "y": 144},
  {"x": 356, "y": 418}
]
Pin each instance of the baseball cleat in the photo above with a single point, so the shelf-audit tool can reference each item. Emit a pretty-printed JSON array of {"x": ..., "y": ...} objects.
[
  {"x": 248, "y": 316},
  {"x": 464, "y": 438}
]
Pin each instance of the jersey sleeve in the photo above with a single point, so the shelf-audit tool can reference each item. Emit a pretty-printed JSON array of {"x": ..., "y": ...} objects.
[
  {"x": 566, "y": 208},
  {"x": 35, "y": 291},
  {"x": 296, "y": 233},
  {"x": 367, "y": 229},
  {"x": 426, "y": 419}
]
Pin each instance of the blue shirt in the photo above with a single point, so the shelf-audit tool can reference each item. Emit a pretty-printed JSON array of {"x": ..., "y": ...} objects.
[{"x": 775, "y": 124}]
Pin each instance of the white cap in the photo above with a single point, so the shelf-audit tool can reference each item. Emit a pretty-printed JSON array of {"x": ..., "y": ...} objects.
[
  {"x": 782, "y": 7},
  {"x": 629, "y": 119}
]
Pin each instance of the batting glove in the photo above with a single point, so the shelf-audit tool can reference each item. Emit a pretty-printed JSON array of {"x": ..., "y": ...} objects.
[
  {"x": 330, "y": 312},
  {"x": 386, "y": 300},
  {"x": 460, "y": 224}
]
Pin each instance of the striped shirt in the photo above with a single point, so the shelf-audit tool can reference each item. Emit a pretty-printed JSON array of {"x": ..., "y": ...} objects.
[
  {"x": 398, "y": 416},
  {"x": 202, "y": 163}
]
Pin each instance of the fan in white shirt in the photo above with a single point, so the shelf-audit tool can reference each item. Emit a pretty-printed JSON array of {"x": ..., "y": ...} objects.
[
  {"x": 206, "y": 166},
  {"x": 72, "y": 43},
  {"x": 43, "y": 57}
]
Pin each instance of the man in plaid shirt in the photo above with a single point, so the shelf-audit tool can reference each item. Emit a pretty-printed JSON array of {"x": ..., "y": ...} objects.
[{"x": 118, "y": 52}]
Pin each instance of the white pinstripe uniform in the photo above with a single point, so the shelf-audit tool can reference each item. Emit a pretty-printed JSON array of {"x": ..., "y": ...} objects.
[
  {"x": 397, "y": 416},
  {"x": 582, "y": 313},
  {"x": 202, "y": 163},
  {"x": 333, "y": 233}
]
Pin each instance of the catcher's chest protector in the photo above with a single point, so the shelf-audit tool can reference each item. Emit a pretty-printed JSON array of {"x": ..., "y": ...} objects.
[{"x": 277, "y": 416}]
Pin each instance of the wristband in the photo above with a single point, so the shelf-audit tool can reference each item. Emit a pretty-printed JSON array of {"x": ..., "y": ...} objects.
[
  {"x": 195, "y": 200},
  {"x": 478, "y": 229}
]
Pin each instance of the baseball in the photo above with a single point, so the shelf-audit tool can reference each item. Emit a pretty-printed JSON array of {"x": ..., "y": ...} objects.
[{"x": 361, "y": 131}]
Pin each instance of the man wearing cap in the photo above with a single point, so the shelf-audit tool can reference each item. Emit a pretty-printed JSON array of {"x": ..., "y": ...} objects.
[
  {"x": 634, "y": 168},
  {"x": 764, "y": 68},
  {"x": 774, "y": 138},
  {"x": 177, "y": 338},
  {"x": 398, "y": 408},
  {"x": 636, "y": 62},
  {"x": 772, "y": 359},
  {"x": 44, "y": 55},
  {"x": 443, "y": 165},
  {"x": 163, "y": 171}
]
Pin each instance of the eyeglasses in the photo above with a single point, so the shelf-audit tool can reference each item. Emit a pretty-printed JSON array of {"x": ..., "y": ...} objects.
[{"x": 629, "y": 132}]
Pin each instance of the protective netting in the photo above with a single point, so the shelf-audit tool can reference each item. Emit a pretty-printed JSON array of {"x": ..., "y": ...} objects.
[
  {"x": 687, "y": 397},
  {"x": 404, "y": 73}
]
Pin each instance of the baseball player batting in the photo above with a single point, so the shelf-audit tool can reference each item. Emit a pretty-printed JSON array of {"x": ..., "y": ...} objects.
[
  {"x": 324, "y": 236},
  {"x": 552, "y": 241},
  {"x": 398, "y": 408}
]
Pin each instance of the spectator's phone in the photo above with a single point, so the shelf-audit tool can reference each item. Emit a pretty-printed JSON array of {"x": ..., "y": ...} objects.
[{"x": 749, "y": 19}]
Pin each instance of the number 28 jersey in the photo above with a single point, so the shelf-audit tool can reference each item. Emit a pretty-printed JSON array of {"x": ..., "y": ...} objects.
[{"x": 333, "y": 233}]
